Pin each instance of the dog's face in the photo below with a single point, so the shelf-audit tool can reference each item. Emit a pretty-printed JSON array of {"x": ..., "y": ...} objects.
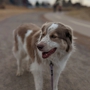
[{"x": 54, "y": 37}]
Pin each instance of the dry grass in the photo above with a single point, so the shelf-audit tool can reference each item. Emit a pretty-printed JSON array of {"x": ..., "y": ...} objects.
[
  {"x": 14, "y": 10},
  {"x": 80, "y": 13}
]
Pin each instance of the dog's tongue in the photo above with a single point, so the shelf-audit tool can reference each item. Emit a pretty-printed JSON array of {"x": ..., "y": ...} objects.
[{"x": 47, "y": 54}]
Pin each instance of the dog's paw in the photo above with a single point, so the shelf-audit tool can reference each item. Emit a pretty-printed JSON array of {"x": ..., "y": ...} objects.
[{"x": 19, "y": 73}]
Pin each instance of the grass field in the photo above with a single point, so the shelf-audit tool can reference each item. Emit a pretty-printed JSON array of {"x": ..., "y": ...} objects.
[
  {"x": 14, "y": 10},
  {"x": 83, "y": 13}
]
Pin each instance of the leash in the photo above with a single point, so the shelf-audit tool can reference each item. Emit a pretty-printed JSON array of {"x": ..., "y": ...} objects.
[{"x": 51, "y": 69}]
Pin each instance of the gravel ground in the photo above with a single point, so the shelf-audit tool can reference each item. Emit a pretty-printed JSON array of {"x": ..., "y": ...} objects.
[{"x": 76, "y": 75}]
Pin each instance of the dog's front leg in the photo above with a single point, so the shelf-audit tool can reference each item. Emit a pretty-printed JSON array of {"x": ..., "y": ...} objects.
[
  {"x": 56, "y": 79},
  {"x": 38, "y": 79},
  {"x": 36, "y": 70}
]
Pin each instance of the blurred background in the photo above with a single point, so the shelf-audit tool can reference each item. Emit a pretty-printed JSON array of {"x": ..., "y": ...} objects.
[
  {"x": 75, "y": 8},
  {"x": 75, "y": 13}
]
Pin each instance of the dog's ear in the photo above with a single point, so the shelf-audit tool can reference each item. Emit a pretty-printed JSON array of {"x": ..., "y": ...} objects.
[
  {"x": 69, "y": 37},
  {"x": 43, "y": 26},
  {"x": 42, "y": 30},
  {"x": 68, "y": 34}
]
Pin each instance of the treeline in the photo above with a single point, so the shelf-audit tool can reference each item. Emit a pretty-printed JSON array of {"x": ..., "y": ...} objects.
[
  {"x": 43, "y": 4},
  {"x": 25, "y": 3},
  {"x": 69, "y": 3}
]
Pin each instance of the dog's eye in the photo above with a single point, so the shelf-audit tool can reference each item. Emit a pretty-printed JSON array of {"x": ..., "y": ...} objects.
[
  {"x": 43, "y": 34},
  {"x": 53, "y": 36}
]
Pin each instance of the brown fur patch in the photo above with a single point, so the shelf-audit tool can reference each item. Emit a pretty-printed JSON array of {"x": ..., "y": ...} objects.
[
  {"x": 22, "y": 30},
  {"x": 31, "y": 40},
  {"x": 31, "y": 45},
  {"x": 15, "y": 42}
]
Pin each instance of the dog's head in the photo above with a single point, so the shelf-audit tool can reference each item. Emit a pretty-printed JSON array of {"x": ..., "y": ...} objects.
[{"x": 54, "y": 37}]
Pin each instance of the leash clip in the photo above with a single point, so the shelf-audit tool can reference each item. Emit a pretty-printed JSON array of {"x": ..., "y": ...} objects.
[{"x": 51, "y": 66}]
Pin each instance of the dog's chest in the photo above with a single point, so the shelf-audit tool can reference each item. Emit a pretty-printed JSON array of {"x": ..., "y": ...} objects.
[
  {"x": 47, "y": 67},
  {"x": 58, "y": 64}
]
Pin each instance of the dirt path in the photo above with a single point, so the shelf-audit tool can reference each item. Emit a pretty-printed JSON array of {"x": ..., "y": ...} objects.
[{"x": 76, "y": 75}]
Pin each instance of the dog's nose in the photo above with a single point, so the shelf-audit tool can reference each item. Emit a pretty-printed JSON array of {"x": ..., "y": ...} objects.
[{"x": 40, "y": 46}]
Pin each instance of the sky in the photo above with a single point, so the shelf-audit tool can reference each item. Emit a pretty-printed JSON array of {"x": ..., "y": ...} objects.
[{"x": 84, "y": 2}]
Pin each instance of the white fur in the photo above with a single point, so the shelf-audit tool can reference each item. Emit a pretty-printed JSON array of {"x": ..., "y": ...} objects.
[
  {"x": 59, "y": 65},
  {"x": 28, "y": 33},
  {"x": 58, "y": 61},
  {"x": 25, "y": 48},
  {"x": 53, "y": 27},
  {"x": 25, "y": 42},
  {"x": 49, "y": 44},
  {"x": 36, "y": 70},
  {"x": 21, "y": 54}
]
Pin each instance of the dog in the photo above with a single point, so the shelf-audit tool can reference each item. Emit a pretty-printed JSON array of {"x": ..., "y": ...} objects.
[{"x": 53, "y": 42}]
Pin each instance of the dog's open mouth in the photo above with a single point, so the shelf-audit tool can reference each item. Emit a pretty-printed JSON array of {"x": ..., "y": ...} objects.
[{"x": 47, "y": 54}]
